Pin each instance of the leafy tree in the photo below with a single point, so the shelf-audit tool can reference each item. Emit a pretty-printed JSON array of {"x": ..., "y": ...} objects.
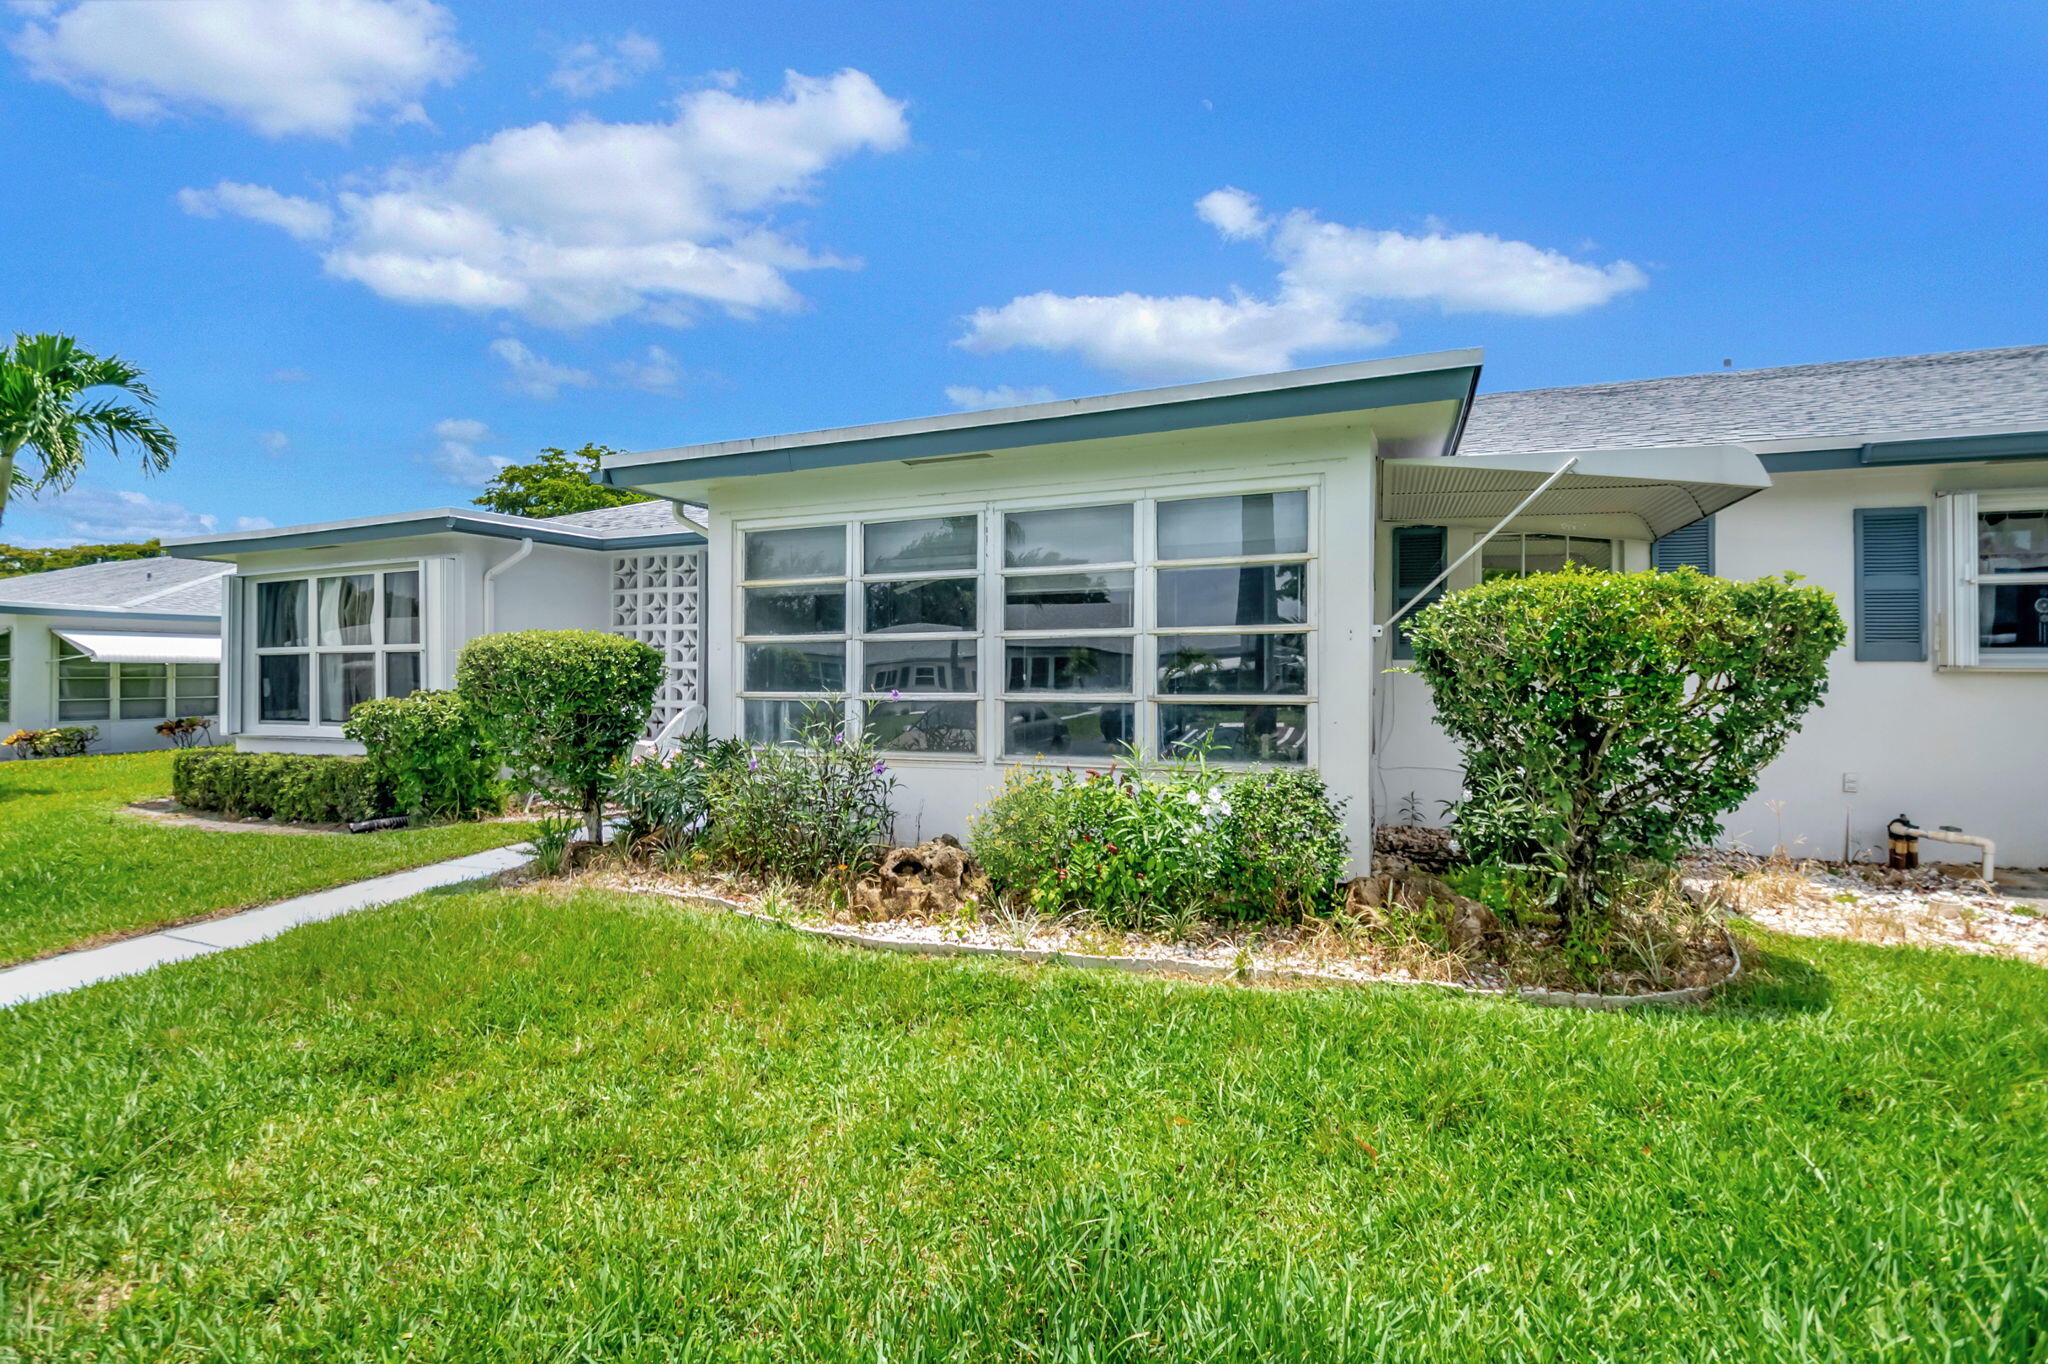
[
  {"x": 557, "y": 483},
  {"x": 16, "y": 560},
  {"x": 45, "y": 414},
  {"x": 562, "y": 706},
  {"x": 1611, "y": 719}
]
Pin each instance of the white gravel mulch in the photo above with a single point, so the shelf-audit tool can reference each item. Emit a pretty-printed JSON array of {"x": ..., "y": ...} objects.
[{"x": 1924, "y": 908}]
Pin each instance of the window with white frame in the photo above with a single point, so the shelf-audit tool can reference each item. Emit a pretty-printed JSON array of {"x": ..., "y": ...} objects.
[
  {"x": 326, "y": 642},
  {"x": 1516, "y": 555},
  {"x": 91, "y": 690},
  {"x": 6, "y": 675},
  {"x": 1174, "y": 625},
  {"x": 1997, "y": 578}
]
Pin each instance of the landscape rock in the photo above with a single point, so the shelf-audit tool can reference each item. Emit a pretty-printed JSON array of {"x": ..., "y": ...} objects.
[
  {"x": 934, "y": 878},
  {"x": 1468, "y": 924}
]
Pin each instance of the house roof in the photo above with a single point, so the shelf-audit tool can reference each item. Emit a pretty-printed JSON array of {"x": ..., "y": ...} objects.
[
  {"x": 1850, "y": 403},
  {"x": 140, "y": 587},
  {"x": 608, "y": 528},
  {"x": 1447, "y": 377}
]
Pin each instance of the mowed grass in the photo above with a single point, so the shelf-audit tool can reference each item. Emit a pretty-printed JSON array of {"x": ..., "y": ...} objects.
[
  {"x": 74, "y": 868},
  {"x": 552, "y": 1126}
]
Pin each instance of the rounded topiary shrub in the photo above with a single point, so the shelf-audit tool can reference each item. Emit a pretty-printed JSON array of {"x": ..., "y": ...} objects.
[
  {"x": 1609, "y": 719},
  {"x": 562, "y": 707},
  {"x": 430, "y": 749}
]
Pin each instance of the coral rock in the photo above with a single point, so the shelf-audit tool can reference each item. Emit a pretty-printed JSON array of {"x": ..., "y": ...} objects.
[{"x": 934, "y": 878}]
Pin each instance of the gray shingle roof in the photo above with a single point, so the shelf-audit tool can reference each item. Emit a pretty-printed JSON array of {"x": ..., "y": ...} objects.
[
  {"x": 163, "y": 586},
  {"x": 1851, "y": 400},
  {"x": 634, "y": 518}
]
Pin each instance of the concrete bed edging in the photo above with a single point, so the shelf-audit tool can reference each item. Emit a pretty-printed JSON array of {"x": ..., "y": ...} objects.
[{"x": 1555, "y": 999}]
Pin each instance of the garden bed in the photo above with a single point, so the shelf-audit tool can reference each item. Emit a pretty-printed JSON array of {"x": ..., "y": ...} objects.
[{"x": 1316, "y": 950}]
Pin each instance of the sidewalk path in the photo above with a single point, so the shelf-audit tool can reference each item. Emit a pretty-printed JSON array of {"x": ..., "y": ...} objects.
[{"x": 131, "y": 956}]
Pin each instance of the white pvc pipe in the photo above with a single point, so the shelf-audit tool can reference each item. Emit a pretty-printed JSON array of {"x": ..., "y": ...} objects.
[{"x": 1950, "y": 836}]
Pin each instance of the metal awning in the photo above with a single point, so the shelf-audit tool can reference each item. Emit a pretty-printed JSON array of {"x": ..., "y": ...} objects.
[
  {"x": 1664, "y": 488},
  {"x": 107, "y": 646}
]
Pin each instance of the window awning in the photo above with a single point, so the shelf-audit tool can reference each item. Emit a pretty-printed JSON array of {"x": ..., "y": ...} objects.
[
  {"x": 1664, "y": 488},
  {"x": 107, "y": 646}
]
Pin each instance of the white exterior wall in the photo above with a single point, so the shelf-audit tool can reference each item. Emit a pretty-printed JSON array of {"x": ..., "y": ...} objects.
[
  {"x": 937, "y": 794},
  {"x": 34, "y": 703},
  {"x": 1961, "y": 747}
]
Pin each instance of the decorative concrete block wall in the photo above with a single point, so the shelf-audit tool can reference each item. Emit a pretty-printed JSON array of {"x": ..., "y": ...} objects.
[{"x": 657, "y": 597}]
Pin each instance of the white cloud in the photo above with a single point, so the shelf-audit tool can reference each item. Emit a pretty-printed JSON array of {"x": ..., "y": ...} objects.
[
  {"x": 274, "y": 442},
  {"x": 968, "y": 398},
  {"x": 283, "y": 67},
  {"x": 303, "y": 219},
  {"x": 585, "y": 222},
  {"x": 102, "y": 515},
  {"x": 1329, "y": 273},
  {"x": 534, "y": 375},
  {"x": 656, "y": 372},
  {"x": 456, "y": 458},
  {"x": 595, "y": 67}
]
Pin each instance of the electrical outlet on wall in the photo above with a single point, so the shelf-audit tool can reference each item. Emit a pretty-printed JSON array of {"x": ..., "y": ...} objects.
[{"x": 1850, "y": 781}]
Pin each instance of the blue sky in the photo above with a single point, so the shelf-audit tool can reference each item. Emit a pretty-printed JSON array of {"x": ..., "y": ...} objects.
[{"x": 366, "y": 248}]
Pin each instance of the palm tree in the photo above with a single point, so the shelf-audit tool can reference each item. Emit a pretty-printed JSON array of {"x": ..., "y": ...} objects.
[{"x": 43, "y": 380}]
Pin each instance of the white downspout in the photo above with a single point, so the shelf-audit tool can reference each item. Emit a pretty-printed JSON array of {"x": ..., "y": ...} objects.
[{"x": 491, "y": 583}]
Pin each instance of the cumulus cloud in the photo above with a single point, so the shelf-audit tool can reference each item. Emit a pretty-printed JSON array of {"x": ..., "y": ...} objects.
[
  {"x": 455, "y": 456},
  {"x": 274, "y": 442},
  {"x": 598, "y": 66},
  {"x": 534, "y": 375},
  {"x": 303, "y": 219},
  {"x": 1329, "y": 276},
  {"x": 283, "y": 67},
  {"x": 968, "y": 398},
  {"x": 102, "y": 515},
  {"x": 581, "y": 223}
]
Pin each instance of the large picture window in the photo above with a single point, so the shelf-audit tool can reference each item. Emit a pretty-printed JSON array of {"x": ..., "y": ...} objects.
[
  {"x": 328, "y": 642},
  {"x": 1056, "y": 632},
  {"x": 91, "y": 690}
]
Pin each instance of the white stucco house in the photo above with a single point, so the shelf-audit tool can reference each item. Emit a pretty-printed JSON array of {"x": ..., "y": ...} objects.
[
  {"x": 119, "y": 647},
  {"x": 1047, "y": 583}
]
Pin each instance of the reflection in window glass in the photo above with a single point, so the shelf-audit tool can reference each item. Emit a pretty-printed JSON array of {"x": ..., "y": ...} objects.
[
  {"x": 345, "y": 606},
  {"x": 925, "y": 665},
  {"x": 932, "y": 544},
  {"x": 196, "y": 689},
  {"x": 401, "y": 674},
  {"x": 85, "y": 689},
  {"x": 784, "y": 722},
  {"x": 809, "y": 552},
  {"x": 1067, "y": 535},
  {"x": 1067, "y": 601},
  {"x": 1252, "y": 594},
  {"x": 936, "y": 604},
  {"x": 281, "y": 615},
  {"x": 2013, "y": 616},
  {"x": 281, "y": 687},
  {"x": 1234, "y": 527},
  {"x": 796, "y": 667},
  {"x": 795, "y": 611},
  {"x": 1263, "y": 734},
  {"x": 1518, "y": 556},
  {"x": 346, "y": 681},
  {"x": 923, "y": 726},
  {"x": 1099, "y": 664},
  {"x": 145, "y": 691},
  {"x": 1067, "y": 729},
  {"x": 402, "y": 608},
  {"x": 2012, "y": 542},
  {"x": 1233, "y": 665}
]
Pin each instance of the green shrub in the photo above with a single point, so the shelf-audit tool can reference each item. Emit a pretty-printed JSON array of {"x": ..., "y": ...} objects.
[
  {"x": 302, "y": 788},
  {"x": 69, "y": 741},
  {"x": 430, "y": 750},
  {"x": 667, "y": 802},
  {"x": 1131, "y": 848},
  {"x": 561, "y": 707},
  {"x": 812, "y": 811},
  {"x": 1610, "y": 719}
]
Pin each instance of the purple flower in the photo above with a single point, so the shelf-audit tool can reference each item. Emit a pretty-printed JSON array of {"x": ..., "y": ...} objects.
[
  {"x": 753, "y": 764},
  {"x": 840, "y": 737},
  {"x": 880, "y": 767},
  {"x": 895, "y": 695}
]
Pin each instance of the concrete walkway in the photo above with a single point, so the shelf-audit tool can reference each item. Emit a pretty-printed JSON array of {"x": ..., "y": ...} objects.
[{"x": 132, "y": 956}]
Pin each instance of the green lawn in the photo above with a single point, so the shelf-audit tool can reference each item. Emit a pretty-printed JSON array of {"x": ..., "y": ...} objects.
[
  {"x": 503, "y": 1125},
  {"x": 73, "y": 868}
]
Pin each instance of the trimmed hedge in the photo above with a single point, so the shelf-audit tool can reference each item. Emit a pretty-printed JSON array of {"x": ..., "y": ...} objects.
[
  {"x": 302, "y": 788},
  {"x": 429, "y": 749}
]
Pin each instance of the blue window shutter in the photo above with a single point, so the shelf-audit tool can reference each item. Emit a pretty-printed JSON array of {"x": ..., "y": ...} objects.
[
  {"x": 1688, "y": 545},
  {"x": 1419, "y": 554},
  {"x": 1891, "y": 584}
]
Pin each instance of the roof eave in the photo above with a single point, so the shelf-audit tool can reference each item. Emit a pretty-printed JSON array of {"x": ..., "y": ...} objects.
[{"x": 445, "y": 521}]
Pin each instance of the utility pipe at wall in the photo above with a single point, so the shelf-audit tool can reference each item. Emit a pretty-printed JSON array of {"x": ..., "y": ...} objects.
[
  {"x": 491, "y": 583},
  {"x": 1903, "y": 830}
]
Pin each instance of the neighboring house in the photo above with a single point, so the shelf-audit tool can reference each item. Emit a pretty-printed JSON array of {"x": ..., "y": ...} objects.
[
  {"x": 1050, "y": 583},
  {"x": 120, "y": 647}
]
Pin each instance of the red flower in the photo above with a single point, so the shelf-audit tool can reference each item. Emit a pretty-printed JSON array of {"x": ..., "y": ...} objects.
[{"x": 1111, "y": 847}]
